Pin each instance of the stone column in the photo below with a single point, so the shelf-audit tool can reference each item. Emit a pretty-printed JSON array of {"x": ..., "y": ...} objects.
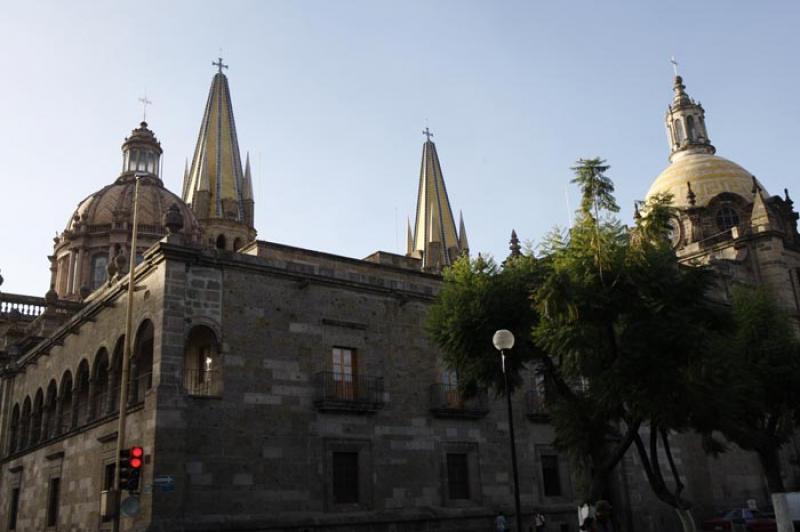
[
  {"x": 45, "y": 422},
  {"x": 76, "y": 404},
  {"x": 70, "y": 273},
  {"x": 90, "y": 409},
  {"x": 59, "y": 414},
  {"x": 76, "y": 283}
]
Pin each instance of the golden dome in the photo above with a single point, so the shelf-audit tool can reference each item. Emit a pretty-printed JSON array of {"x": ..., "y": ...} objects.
[
  {"x": 709, "y": 176},
  {"x": 110, "y": 207}
]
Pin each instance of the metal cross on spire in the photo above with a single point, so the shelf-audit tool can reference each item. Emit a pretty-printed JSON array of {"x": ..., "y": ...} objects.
[
  {"x": 427, "y": 133},
  {"x": 219, "y": 65},
  {"x": 145, "y": 103},
  {"x": 674, "y": 64}
]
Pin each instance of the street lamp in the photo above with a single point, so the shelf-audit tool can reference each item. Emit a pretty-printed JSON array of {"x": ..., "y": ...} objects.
[{"x": 503, "y": 340}]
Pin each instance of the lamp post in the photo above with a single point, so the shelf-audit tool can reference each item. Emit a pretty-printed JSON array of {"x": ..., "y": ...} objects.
[{"x": 503, "y": 340}]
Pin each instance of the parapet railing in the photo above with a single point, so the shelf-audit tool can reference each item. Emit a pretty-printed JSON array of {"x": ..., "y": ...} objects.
[{"x": 339, "y": 391}]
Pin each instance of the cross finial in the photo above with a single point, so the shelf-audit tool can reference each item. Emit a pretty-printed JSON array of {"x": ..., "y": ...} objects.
[
  {"x": 145, "y": 103},
  {"x": 427, "y": 133},
  {"x": 674, "y": 64},
  {"x": 219, "y": 65}
]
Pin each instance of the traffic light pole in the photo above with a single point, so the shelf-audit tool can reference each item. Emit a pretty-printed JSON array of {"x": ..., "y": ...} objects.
[{"x": 126, "y": 356}]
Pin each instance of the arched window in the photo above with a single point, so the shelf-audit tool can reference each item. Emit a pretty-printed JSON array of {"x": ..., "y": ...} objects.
[
  {"x": 690, "y": 130},
  {"x": 13, "y": 436},
  {"x": 65, "y": 408},
  {"x": 99, "y": 271},
  {"x": 25, "y": 424},
  {"x": 726, "y": 218},
  {"x": 142, "y": 362},
  {"x": 202, "y": 363},
  {"x": 237, "y": 244},
  {"x": 100, "y": 377},
  {"x": 82, "y": 395},
  {"x": 677, "y": 128},
  {"x": 36, "y": 417},
  {"x": 221, "y": 242},
  {"x": 50, "y": 401}
]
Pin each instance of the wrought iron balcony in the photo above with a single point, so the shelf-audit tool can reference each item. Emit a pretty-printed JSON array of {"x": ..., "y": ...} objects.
[
  {"x": 536, "y": 407},
  {"x": 448, "y": 401},
  {"x": 203, "y": 383},
  {"x": 347, "y": 393}
]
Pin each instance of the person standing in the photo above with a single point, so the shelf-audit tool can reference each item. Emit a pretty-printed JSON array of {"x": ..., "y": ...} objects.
[
  {"x": 602, "y": 519},
  {"x": 500, "y": 522},
  {"x": 539, "y": 521}
]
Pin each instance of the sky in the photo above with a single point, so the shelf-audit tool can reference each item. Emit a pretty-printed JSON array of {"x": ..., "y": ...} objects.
[{"x": 331, "y": 97}]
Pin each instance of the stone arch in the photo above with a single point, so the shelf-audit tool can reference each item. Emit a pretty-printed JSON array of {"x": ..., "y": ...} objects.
[
  {"x": 220, "y": 242},
  {"x": 142, "y": 361},
  {"x": 81, "y": 406},
  {"x": 25, "y": 424},
  {"x": 36, "y": 417},
  {"x": 13, "y": 430},
  {"x": 100, "y": 384},
  {"x": 202, "y": 362},
  {"x": 50, "y": 404},
  {"x": 66, "y": 404}
]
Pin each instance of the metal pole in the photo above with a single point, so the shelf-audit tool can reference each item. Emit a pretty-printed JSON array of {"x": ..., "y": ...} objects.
[
  {"x": 126, "y": 355},
  {"x": 513, "y": 445}
]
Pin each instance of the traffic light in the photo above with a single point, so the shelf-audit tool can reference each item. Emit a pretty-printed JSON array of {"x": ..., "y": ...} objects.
[{"x": 130, "y": 468}]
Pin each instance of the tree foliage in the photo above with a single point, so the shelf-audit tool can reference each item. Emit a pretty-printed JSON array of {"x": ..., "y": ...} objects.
[
  {"x": 621, "y": 333},
  {"x": 761, "y": 358}
]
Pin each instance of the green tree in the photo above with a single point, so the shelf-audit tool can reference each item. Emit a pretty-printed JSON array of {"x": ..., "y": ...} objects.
[
  {"x": 762, "y": 363},
  {"x": 620, "y": 329}
]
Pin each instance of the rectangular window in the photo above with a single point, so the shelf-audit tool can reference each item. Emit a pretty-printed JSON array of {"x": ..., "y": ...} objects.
[
  {"x": 457, "y": 476},
  {"x": 343, "y": 365},
  {"x": 52, "y": 501},
  {"x": 345, "y": 477},
  {"x": 551, "y": 476},
  {"x": 12, "y": 513}
]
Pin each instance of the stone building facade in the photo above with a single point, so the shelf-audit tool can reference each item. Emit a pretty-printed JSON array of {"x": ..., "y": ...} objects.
[
  {"x": 271, "y": 387},
  {"x": 284, "y": 389}
]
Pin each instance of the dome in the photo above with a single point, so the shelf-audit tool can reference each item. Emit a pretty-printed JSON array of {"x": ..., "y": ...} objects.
[
  {"x": 112, "y": 206},
  {"x": 708, "y": 174}
]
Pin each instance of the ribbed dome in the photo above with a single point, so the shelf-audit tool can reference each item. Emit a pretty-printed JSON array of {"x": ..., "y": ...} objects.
[
  {"x": 113, "y": 205},
  {"x": 709, "y": 176}
]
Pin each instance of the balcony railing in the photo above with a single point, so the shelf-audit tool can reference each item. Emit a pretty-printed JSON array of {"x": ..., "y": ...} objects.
[
  {"x": 203, "y": 383},
  {"x": 536, "y": 406},
  {"x": 448, "y": 401},
  {"x": 24, "y": 307},
  {"x": 354, "y": 393}
]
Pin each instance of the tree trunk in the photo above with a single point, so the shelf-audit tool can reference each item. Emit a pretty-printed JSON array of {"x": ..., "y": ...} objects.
[
  {"x": 687, "y": 520},
  {"x": 770, "y": 462}
]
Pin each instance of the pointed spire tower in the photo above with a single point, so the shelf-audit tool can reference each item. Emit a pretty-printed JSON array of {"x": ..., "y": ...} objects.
[
  {"x": 215, "y": 186},
  {"x": 434, "y": 239}
]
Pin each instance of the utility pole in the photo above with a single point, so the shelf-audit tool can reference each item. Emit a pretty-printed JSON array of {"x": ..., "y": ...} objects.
[{"x": 126, "y": 359}]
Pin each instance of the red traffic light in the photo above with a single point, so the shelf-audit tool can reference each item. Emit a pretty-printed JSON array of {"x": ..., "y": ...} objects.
[
  {"x": 136, "y": 463},
  {"x": 137, "y": 452}
]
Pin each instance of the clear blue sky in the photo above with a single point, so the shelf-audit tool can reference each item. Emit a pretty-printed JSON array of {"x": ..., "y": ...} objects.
[{"x": 330, "y": 98}]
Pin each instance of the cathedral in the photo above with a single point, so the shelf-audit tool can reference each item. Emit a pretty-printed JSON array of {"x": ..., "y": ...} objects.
[{"x": 278, "y": 388}]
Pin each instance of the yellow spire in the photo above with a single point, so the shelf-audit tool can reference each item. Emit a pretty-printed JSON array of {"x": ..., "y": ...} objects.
[
  {"x": 435, "y": 239},
  {"x": 215, "y": 185}
]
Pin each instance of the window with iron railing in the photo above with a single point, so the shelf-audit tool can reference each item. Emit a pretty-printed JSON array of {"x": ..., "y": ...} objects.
[
  {"x": 337, "y": 391},
  {"x": 446, "y": 400},
  {"x": 203, "y": 382}
]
